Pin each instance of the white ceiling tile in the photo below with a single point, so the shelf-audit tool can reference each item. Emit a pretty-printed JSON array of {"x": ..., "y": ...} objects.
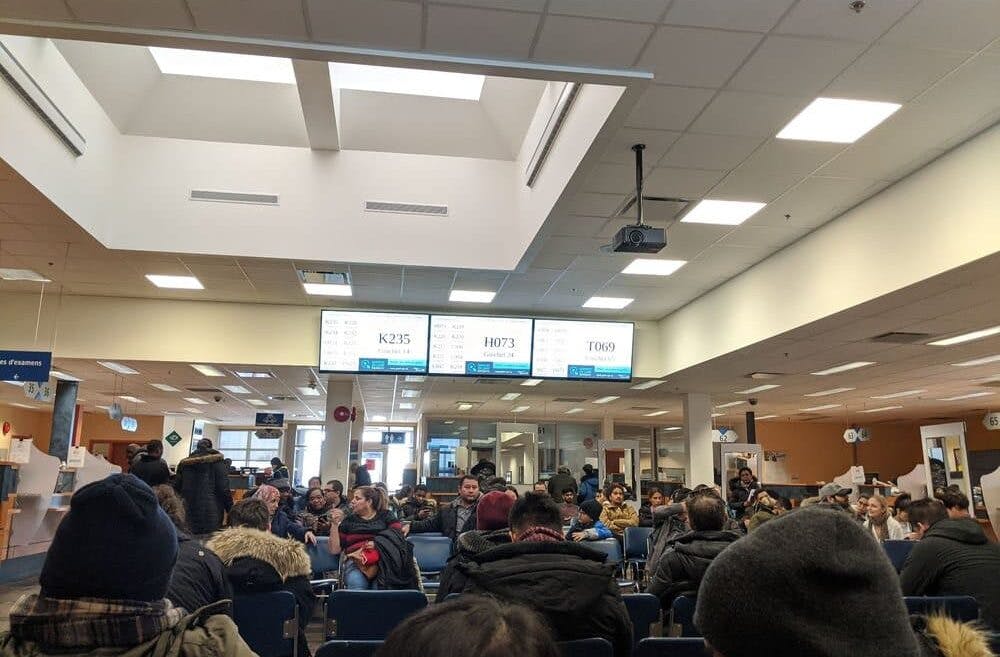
[
  {"x": 893, "y": 73},
  {"x": 762, "y": 236},
  {"x": 519, "y": 5},
  {"x": 648, "y": 11},
  {"x": 46, "y": 10},
  {"x": 438, "y": 278},
  {"x": 264, "y": 18},
  {"x": 748, "y": 114},
  {"x": 795, "y": 66},
  {"x": 966, "y": 26},
  {"x": 792, "y": 156},
  {"x": 514, "y": 287},
  {"x": 465, "y": 30},
  {"x": 753, "y": 15},
  {"x": 709, "y": 151},
  {"x": 684, "y": 183},
  {"x": 668, "y": 108},
  {"x": 380, "y": 23},
  {"x": 613, "y": 178},
  {"x": 836, "y": 20},
  {"x": 603, "y": 262},
  {"x": 538, "y": 275},
  {"x": 574, "y": 245},
  {"x": 595, "y": 205},
  {"x": 170, "y": 14},
  {"x": 576, "y": 226},
  {"x": 748, "y": 183},
  {"x": 551, "y": 259},
  {"x": 570, "y": 40},
  {"x": 657, "y": 142},
  {"x": 687, "y": 241},
  {"x": 814, "y": 202},
  {"x": 689, "y": 56}
]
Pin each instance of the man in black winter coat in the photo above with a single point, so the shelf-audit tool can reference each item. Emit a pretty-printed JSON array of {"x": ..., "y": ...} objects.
[
  {"x": 203, "y": 484},
  {"x": 455, "y": 518},
  {"x": 568, "y": 583},
  {"x": 954, "y": 557},
  {"x": 150, "y": 466},
  {"x": 687, "y": 557},
  {"x": 562, "y": 480}
]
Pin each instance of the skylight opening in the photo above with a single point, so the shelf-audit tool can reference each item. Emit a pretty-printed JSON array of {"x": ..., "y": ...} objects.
[
  {"x": 410, "y": 81},
  {"x": 225, "y": 65}
]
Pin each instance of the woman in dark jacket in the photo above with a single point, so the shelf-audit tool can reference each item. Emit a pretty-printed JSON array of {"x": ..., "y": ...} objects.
[
  {"x": 654, "y": 500},
  {"x": 282, "y": 524},
  {"x": 316, "y": 516},
  {"x": 354, "y": 536},
  {"x": 279, "y": 470}
]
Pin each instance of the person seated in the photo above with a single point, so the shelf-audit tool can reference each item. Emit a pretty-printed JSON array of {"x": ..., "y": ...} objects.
[
  {"x": 901, "y": 509},
  {"x": 199, "y": 577},
  {"x": 288, "y": 496},
  {"x": 492, "y": 529},
  {"x": 880, "y": 522},
  {"x": 669, "y": 522},
  {"x": 316, "y": 517},
  {"x": 390, "y": 501},
  {"x": 375, "y": 554},
  {"x": 282, "y": 523},
  {"x": 471, "y": 625},
  {"x": 860, "y": 509},
  {"x": 457, "y": 517},
  {"x": 587, "y": 525},
  {"x": 765, "y": 508},
  {"x": 104, "y": 584},
  {"x": 302, "y": 501},
  {"x": 683, "y": 564},
  {"x": 540, "y": 487},
  {"x": 568, "y": 509},
  {"x": 798, "y": 575},
  {"x": 567, "y": 583},
  {"x": 955, "y": 503},
  {"x": 484, "y": 469},
  {"x": 416, "y": 506},
  {"x": 257, "y": 561},
  {"x": 953, "y": 557},
  {"x": 150, "y": 466},
  {"x": 617, "y": 515},
  {"x": 742, "y": 490},
  {"x": 654, "y": 499}
]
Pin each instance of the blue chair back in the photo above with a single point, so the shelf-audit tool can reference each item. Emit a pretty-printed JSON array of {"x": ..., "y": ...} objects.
[
  {"x": 682, "y": 613},
  {"x": 370, "y": 615},
  {"x": 636, "y": 542},
  {"x": 962, "y": 608},
  {"x": 670, "y": 647},
  {"x": 610, "y": 547},
  {"x": 594, "y": 647},
  {"x": 321, "y": 559},
  {"x": 644, "y": 610},
  {"x": 898, "y": 551},
  {"x": 431, "y": 552},
  {"x": 268, "y": 622},
  {"x": 338, "y": 648}
]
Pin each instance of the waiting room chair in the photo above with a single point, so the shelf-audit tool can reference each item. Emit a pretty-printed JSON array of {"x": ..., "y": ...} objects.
[
  {"x": 613, "y": 551},
  {"x": 321, "y": 560},
  {"x": 670, "y": 647},
  {"x": 962, "y": 608},
  {"x": 268, "y": 622},
  {"x": 431, "y": 554},
  {"x": 637, "y": 548},
  {"x": 594, "y": 647},
  {"x": 369, "y": 615},
  {"x": 897, "y": 552},
  {"x": 682, "y": 617},
  {"x": 337, "y": 648},
  {"x": 644, "y": 610}
]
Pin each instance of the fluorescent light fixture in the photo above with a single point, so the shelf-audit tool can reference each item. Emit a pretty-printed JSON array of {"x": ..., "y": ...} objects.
[
  {"x": 175, "y": 282},
  {"x": 410, "y": 81},
  {"x": 820, "y": 408},
  {"x": 519, "y": 409},
  {"x": 979, "y": 361},
  {"x": 225, "y": 65},
  {"x": 254, "y": 375},
  {"x": 465, "y": 407},
  {"x": 673, "y": 428},
  {"x": 879, "y": 410},
  {"x": 608, "y": 303},
  {"x": 56, "y": 374},
  {"x": 966, "y": 337},
  {"x": 531, "y": 382},
  {"x": 117, "y": 367},
  {"x": 328, "y": 289},
  {"x": 19, "y": 384},
  {"x": 408, "y": 393},
  {"x": 606, "y": 400},
  {"x": 103, "y": 408},
  {"x": 723, "y": 213},
  {"x": 971, "y": 395},
  {"x": 130, "y": 398},
  {"x": 905, "y": 393},
  {"x": 23, "y": 275},
  {"x": 195, "y": 400},
  {"x": 831, "y": 391},
  {"x": 511, "y": 396},
  {"x": 717, "y": 414},
  {"x": 574, "y": 411},
  {"x": 766, "y": 386},
  {"x": 208, "y": 370},
  {"x": 844, "y": 368},
  {"x": 20, "y": 405},
  {"x": 237, "y": 390},
  {"x": 653, "y": 267},
  {"x": 379, "y": 418},
  {"x": 193, "y": 411},
  {"x": 471, "y": 296},
  {"x": 765, "y": 417},
  {"x": 655, "y": 414},
  {"x": 414, "y": 378},
  {"x": 646, "y": 385},
  {"x": 406, "y": 406},
  {"x": 730, "y": 404},
  {"x": 257, "y": 402},
  {"x": 837, "y": 120},
  {"x": 164, "y": 387},
  {"x": 308, "y": 391}
]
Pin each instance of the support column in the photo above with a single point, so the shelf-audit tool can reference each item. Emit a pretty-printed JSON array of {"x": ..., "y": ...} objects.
[
  {"x": 337, "y": 444},
  {"x": 607, "y": 430},
  {"x": 63, "y": 417},
  {"x": 698, "y": 427}
]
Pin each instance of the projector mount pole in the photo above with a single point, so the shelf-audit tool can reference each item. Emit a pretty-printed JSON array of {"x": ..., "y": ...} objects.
[{"x": 638, "y": 149}]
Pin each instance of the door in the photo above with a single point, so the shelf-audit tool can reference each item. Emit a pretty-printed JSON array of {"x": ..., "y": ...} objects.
[
  {"x": 373, "y": 459},
  {"x": 517, "y": 453},
  {"x": 620, "y": 460}
]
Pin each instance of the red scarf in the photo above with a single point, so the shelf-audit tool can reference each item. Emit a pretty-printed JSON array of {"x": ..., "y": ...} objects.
[{"x": 539, "y": 535}]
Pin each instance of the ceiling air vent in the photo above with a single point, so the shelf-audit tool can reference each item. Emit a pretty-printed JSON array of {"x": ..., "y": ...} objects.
[
  {"x": 644, "y": 408},
  {"x": 233, "y": 197},
  {"x": 406, "y": 208},
  {"x": 569, "y": 400},
  {"x": 810, "y": 417},
  {"x": 493, "y": 382},
  {"x": 282, "y": 398},
  {"x": 896, "y": 337},
  {"x": 197, "y": 389}
]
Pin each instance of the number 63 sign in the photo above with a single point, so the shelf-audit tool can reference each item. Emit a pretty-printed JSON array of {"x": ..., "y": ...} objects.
[{"x": 992, "y": 421}]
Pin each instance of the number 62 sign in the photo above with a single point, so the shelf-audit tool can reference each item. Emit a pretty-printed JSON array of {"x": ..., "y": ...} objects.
[{"x": 992, "y": 421}]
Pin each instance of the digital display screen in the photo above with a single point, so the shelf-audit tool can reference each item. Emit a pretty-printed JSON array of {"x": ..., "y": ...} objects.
[
  {"x": 596, "y": 351},
  {"x": 373, "y": 343},
  {"x": 480, "y": 346}
]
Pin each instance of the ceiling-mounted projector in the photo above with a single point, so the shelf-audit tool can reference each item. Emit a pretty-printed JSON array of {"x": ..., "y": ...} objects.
[{"x": 639, "y": 237}]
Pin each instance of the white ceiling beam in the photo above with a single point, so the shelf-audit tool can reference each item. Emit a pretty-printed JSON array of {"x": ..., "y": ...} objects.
[{"x": 319, "y": 104}]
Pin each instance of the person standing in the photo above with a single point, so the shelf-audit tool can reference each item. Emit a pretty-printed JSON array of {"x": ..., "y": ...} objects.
[
  {"x": 203, "y": 484},
  {"x": 150, "y": 466},
  {"x": 279, "y": 470},
  {"x": 588, "y": 484},
  {"x": 742, "y": 492},
  {"x": 559, "y": 482},
  {"x": 484, "y": 469}
]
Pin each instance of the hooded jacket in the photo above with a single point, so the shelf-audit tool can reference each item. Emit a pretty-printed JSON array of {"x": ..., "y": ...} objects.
[
  {"x": 560, "y": 482},
  {"x": 469, "y": 544},
  {"x": 567, "y": 583},
  {"x": 668, "y": 524},
  {"x": 199, "y": 577},
  {"x": 151, "y": 469},
  {"x": 396, "y": 569},
  {"x": 684, "y": 563},
  {"x": 257, "y": 562},
  {"x": 203, "y": 484},
  {"x": 588, "y": 488},
  {"x": 956, "y": 558}
]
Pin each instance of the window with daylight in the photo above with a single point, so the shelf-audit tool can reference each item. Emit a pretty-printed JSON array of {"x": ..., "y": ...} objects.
[{"x": 246, "y": 449}]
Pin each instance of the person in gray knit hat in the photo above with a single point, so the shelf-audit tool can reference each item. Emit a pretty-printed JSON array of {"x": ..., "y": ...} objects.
[{"x": 783, "y": 591}]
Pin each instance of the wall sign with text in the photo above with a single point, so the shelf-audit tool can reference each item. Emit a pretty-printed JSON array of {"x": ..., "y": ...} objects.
[
  {"x": 463, "y": 345},
  {"x": 571, "y": 349},
  {"x": 353, "y": 342}
]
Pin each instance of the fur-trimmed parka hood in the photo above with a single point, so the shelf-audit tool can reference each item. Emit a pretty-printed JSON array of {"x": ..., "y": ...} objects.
[{"x": 286, "y": 556}]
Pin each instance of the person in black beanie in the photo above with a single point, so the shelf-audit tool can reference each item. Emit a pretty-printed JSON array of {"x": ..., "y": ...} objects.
[
  {"x": 796, "y": 575},
  {"x": 104, "y": 581}
]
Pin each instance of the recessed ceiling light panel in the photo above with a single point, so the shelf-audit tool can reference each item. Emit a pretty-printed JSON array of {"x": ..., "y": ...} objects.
[
  {"x": 766, "y": 386},
  {"x": 831, "y": 391},
  {"x": 175, "y": 282},
  {"x": 471, "y": 296},
  {"x": 653, "y": 267},
  {"x": 723, "y": 213},
  {"x": 608, "y": 303},
  {"x": 208, "y": 370},
  {"x": 837, "y": 120},
  {"x": 905, "y": 393},
  {"x": 844, "y": 368},
  {"x": 967, "y": 337},
  {"x": 117, "y": 367},
  {"x": 978, "y": 361},
  {"x": 606, "y": 400},
  {"x": 22, "y": 275},
  {"x": 410, "y": 81}
]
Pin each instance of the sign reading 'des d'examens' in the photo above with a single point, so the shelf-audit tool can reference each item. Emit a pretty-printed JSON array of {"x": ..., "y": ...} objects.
[{"x": 25, "y": 365}]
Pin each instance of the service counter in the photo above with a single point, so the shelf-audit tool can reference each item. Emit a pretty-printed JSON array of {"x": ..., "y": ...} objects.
[{"x": 239, "y": 484}]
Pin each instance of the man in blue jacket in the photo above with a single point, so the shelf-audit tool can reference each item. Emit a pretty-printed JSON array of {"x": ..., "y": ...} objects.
[{"x": 589, "y": 484}]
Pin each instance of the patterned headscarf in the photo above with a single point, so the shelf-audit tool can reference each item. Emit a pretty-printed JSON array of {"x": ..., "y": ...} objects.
[{"x": 268, "y": 494}]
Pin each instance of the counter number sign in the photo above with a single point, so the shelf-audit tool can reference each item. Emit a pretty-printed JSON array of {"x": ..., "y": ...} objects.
[{"x": 992, "y": 421}]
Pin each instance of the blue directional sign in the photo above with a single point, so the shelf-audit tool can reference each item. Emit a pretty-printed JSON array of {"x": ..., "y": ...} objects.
[
  {"x": 25, "y": 365},
  {"x": 270, "y": 420}
]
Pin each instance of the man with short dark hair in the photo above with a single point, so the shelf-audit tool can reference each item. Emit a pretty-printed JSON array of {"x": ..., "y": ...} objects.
[
  {"x": 836, "y": 495},
  {"x": 150, "y": 467},
  {"x": 566, "y": 582},
  {"x": 417, "y": 506},
  {"x": 455, "y": 518},
  {"x": 687, "y": 557},
  {"x": 560, "y": 481},
  {"x": 540, "y": 487},
  {"x": 955, "y": 503},
  {"x": 923, "y": 514}
]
